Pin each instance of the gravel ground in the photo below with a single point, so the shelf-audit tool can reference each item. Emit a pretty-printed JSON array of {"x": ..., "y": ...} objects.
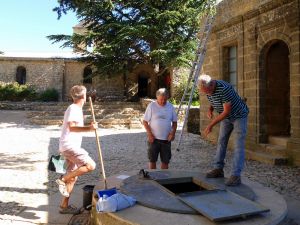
[{"x": 25, "y": 149}]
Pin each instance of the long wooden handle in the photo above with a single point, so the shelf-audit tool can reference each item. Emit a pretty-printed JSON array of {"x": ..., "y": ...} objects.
[{"x": 98, "y": 144}]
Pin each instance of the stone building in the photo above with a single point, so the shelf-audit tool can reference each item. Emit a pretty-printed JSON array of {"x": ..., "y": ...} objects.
[
  {"x": 62, "y": 71},
  {"x": 255, "y": 46},
  {"x": 42, "y": 71}
]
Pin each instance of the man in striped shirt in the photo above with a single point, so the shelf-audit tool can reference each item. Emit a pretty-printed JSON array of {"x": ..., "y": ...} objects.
[{"x": 232, "y": 116}]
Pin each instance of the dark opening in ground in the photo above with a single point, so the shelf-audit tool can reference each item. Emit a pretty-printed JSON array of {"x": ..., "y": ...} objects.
[{"x": 181, "y": 185}]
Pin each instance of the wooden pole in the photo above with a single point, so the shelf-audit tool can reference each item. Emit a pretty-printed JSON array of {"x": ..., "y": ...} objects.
[{"x": 98, "y": 145}]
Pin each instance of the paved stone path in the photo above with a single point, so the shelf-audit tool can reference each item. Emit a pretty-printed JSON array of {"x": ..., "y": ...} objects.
[{"x": 25, "y": 183}]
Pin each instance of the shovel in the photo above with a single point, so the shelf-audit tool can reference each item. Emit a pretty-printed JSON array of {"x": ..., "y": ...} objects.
[{"x": 98, "y": 145}]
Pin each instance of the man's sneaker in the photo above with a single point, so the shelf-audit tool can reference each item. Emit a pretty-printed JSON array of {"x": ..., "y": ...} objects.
[
  {"x": 62, "y": 188},
  {"x": 233, "y": 181},
  {"x": 215, "y": 173},
  {"x": 69, "y": 210}
]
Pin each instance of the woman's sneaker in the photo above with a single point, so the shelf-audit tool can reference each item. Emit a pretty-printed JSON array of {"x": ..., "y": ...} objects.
[{"x": 62, "y": 188}]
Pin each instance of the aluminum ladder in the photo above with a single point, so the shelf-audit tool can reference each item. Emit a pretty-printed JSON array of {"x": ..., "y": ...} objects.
[{"x": 187, "y": 96}]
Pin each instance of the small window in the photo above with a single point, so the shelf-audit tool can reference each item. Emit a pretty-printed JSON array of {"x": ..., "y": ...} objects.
[
  {"x": 232, "y": 66},
  {"x": 87, "y": 75},
  {"x": 21, "y": 75}
]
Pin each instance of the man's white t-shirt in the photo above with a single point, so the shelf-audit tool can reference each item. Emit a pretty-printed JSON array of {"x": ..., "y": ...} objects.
[
  {"x": 160, "y": 119},
  {"x": 71, "y": 140}
]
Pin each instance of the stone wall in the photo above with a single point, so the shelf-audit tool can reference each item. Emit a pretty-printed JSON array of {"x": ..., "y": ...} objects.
[
  {"x": 72, "y": 75},
  {"x": 62, "y": 74},
  {"x": 194, "y": 120},
  {"x": 252, "y": 26},
  {"x": 109, "y": 87},
  {"x": 41, "y": 73}
]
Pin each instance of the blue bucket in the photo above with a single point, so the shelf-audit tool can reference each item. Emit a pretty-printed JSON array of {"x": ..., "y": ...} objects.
[{"x": 108, "y": 192}]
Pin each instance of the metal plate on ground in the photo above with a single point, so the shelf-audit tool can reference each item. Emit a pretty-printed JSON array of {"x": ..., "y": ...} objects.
[
  {"x": 220, "y": 205},
  {"x": 149, "y": 193}
]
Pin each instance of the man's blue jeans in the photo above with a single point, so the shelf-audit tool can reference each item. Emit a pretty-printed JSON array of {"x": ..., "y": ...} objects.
[{"x": 239, "y": 128}]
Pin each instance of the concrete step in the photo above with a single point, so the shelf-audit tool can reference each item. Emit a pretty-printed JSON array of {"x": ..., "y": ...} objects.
[
  {"x": 47, "y": 117},
  {"x": 33, "y": 106},
  {"x": 40, "y": 106},
  {"x": 98, "y": 113},
  {"x": 107, "y": 114},
  {"x": 278, "y": 140},
  {"x": 266, "y": 158},
  {"x": 129, "y": 122},
  {"x": 136, "y": 124},
  {"x": 112, "y": 116},
  {"x": 114, "y": 111},
  {"x": 58, "y": 116},
  {"x": 107, "y": 106},
  {"x": 45, "y": 113},
  {"x": 39, "y": 121},
  {"x": 274, "y": 150},
  {"x": 107, "y": 123}
]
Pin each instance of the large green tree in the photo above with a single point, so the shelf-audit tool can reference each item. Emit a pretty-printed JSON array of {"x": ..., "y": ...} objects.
[{"x": 124, "y": 33}]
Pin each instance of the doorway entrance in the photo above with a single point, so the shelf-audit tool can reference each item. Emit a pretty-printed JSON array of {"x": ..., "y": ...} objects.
[
  {"x": 143, "y": 86},
  {"x": 275, "y": 89}
]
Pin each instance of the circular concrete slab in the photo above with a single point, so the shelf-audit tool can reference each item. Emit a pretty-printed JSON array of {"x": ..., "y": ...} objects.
[
  {"x": 140, "y": 214},
  {"x": 153, "y": 192}
]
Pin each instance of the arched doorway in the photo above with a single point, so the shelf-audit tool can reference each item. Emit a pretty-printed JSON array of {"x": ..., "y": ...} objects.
[
  {"x": 143, "y": 85},
  {"x": 275, "y": 89},
  {"x": 21, "y": 75}
]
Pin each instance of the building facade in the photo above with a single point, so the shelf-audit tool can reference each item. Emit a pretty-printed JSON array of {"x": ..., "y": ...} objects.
[
  {"x": 45, "y": 71},
  {"x": 254, "y": 45},
  {"x": 42, "y": 71}
]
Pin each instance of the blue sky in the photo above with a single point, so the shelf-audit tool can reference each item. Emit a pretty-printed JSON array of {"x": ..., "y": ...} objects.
[{"x": 25, "y": 24}]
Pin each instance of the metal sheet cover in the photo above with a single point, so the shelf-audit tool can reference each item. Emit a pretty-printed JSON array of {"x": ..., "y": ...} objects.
[{"x": 220, "y": 205}]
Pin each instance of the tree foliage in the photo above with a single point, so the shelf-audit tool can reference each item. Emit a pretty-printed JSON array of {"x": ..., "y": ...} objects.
[{"x": 124, "y": 33}]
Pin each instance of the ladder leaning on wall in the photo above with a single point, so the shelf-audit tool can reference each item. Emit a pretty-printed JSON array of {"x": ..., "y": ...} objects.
[{"x": 187, "y": 96}]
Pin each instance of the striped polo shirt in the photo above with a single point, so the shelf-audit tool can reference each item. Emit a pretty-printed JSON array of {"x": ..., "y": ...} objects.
[{"x": 225, "y": 93}]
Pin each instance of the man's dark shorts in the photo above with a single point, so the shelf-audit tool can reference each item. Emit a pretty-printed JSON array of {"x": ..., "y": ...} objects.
[{"x": 161, "y": 147}]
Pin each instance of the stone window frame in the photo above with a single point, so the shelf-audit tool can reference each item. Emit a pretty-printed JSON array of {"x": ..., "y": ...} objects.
[
  {"x": 21, "y": 75},
  {"x": 225, "y": 63}
]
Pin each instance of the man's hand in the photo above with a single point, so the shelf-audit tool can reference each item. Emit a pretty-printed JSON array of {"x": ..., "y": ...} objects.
[
  {"x": 149, "y": 132},
  {"x": 218, "y": 118},
  {"x": 171, "y": 136},
  {"x": 94, "y": 126},
  {"x": 207, "y": 130},
  {"x": 150, "y": 137}
]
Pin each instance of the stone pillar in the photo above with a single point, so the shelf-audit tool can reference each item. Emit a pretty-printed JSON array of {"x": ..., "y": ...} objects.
[{"x": 293, "y": 145}]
